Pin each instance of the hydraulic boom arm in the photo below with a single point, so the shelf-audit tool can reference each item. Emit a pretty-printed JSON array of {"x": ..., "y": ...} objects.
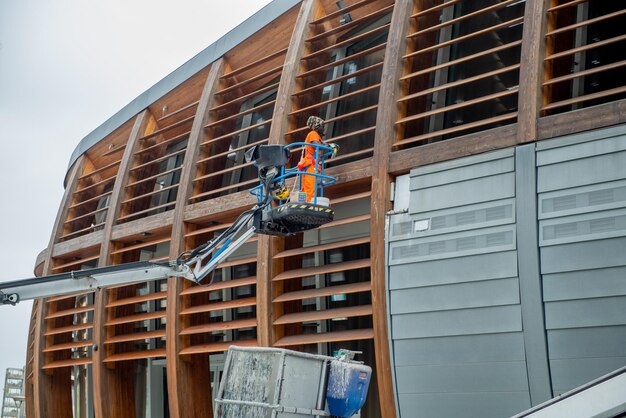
[
  {"x": 195, "y": 265},
  {"x": 194, "y": 268}
]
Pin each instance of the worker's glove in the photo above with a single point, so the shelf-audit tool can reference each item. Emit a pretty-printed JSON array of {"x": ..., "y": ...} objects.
[
  {"x": 281, "y": 192},
  {"x": 335, "y": 150}
]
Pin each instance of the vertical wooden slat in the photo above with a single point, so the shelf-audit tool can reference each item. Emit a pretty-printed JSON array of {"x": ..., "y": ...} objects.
[
  {"x": 188, "y": 382},
  {"x": 109, "y": 398},
  {"x": 530, "y": 97},
  {"x": 384, "y": 139},
  {"x": 268, "y": 246},
  {"x": 52, "y": 389}
]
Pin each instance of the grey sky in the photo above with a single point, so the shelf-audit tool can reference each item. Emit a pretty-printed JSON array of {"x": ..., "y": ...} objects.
[{"x": 65, "y": 67}]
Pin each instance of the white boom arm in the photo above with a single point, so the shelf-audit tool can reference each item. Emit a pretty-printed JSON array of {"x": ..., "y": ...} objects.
[
  {"x": 85, "y": 280},
  {"x": 193, "y": 268}
]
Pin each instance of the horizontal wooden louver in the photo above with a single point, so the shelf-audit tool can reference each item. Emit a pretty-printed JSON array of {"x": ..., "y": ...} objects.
[
  {"x": 461, "y": 69},
  {"x": 240, "y": 118},
  {"x": 585, "y": 58},
  {"x": 158, "y": 158},
  {"x": 222, "y": 310},
  {"x": 323, "y": 294},
  {"x": 136, "y": 314},
  {"x": 89, "y": 205},
  {"x": 340, "y": 77},
  {"x": 68, "y": 319},
  {"x": 30, "y": 351}
]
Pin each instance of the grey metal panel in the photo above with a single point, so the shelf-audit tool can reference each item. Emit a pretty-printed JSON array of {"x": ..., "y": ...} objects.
[
  {"x": 594, "y": 198},
  {"x": 353, "y": 230},
  {"x": 529, "y": 277},
  {"x": 205, "y": 57},
  {"x": 462, "y": 193},
  {"x": 505, "y": 347},
  {"x": 392, "y": 352},
  {"x": 454, "y": 300},
  {"x": 464, "y": 218},
  {"x": 597, "y": 169},
  {"x": 246, "y": 250},
  {"x": 581, "y": 145},
  {"x": 457, "y": 322},
  {"x": 582, "y": 207},
  {"x": 586, "y": 312},
  {"x": 469, "y": 377},
  {"x": 583, "y": 227},
  {"x": 400, "y": 226},
  {"x": 462, "y": 162},
  {"x": 584, "y": 284},
  {"x": 342, "y": 232},
  {"x": 459, "y": 244},
  {"x": 466, "y": 405},
  {"x": 583, "y": 255},
  {"x": 455, "y": 296},
  {"x": 488, "y": 266},
  {"x": 474, "y": 171},
  {"x": 570, "y": 373},
  {"x": 352, "y": 208},
  {"x": 401, "y": 193},
  {"x": 588, "y": 342}
]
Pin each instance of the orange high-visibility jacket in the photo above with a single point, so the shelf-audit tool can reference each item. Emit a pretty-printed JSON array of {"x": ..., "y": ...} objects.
[{"x": 308, "y": 163}]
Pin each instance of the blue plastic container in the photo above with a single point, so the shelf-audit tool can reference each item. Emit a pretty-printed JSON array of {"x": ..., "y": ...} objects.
[{"x": 347, "y": 387}]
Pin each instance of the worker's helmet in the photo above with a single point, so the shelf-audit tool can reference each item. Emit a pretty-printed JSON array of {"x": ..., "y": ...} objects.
[{"x": 314, "y": 122}]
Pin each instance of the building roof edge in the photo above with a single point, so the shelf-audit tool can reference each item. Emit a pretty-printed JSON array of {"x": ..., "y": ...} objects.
[{"x": 205, "y": 57}]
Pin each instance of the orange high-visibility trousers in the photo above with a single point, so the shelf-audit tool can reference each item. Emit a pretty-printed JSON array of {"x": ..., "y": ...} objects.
[{"x": 308, "y": 183}]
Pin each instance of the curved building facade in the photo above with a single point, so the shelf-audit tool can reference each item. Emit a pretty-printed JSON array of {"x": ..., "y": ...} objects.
[{"x": 479, "y": 212}]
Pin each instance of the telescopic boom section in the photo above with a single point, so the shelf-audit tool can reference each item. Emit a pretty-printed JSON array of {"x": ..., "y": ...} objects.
[
  {"x": 192, "y": 265},
  {"x": 85, "y": 280}
]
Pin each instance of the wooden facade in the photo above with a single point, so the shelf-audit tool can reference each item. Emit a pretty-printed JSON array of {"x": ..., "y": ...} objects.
[{"x": 401, "y": 84}]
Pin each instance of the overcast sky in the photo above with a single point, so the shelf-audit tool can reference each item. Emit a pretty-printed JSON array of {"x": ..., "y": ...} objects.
[{"x": 66, "y": 66}]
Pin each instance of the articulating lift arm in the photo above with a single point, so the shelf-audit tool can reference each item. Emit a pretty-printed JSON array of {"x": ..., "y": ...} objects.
[
  {"x": 198, "y": 263},
  {"x": 194, "y": 268}
]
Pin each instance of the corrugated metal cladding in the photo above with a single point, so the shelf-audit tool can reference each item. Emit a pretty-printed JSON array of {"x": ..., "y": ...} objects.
[{"x": 468, "y": 337}]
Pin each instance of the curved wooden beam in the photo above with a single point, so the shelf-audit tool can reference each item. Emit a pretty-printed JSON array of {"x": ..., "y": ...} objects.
[
  {"x": 530, "y": 97},
  {"x": 268, "y": 246},
  {"x": 52, "y": 389},
  {"x": 188, "y": 382},
  {"x": 112, "y": 396},
  {"x": 385, "y": 135}
]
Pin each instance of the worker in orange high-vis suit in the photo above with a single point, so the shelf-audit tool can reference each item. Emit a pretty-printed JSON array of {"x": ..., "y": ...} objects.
[{"x": 307, "y": 162}]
